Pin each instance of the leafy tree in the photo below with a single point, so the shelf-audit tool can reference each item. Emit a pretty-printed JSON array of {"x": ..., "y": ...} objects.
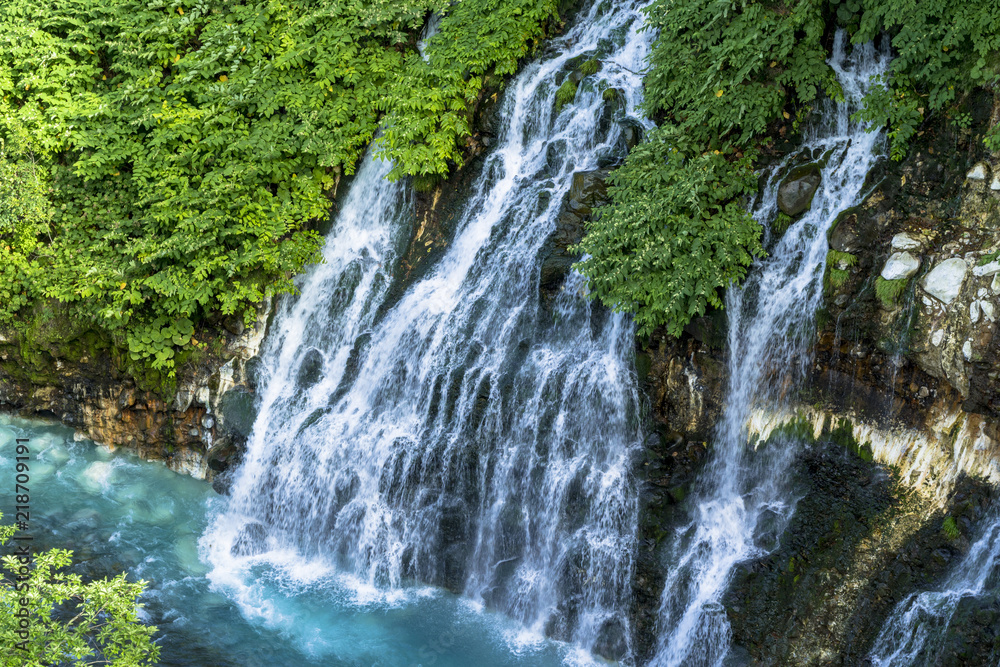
[{"x": 70, "y": 622}]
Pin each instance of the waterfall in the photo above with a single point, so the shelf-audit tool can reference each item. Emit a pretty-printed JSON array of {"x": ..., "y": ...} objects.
[
  {"x": 914, "y": 633},
  {"x": 744, "y": 500},
  {"x": 468, "y": 434}
]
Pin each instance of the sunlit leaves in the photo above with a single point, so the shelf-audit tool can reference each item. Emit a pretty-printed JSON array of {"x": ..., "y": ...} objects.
[
  {"x": 190, "y": 145},
  {"x": 941, "y": 50},
  {"x": 676, "y": 233}
]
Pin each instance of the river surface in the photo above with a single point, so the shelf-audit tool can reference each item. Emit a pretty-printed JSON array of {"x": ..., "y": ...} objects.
[{"x": 119, "y": 513}]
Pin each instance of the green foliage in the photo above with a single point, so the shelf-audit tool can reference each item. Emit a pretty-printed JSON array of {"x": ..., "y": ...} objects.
[
  {"x": 675, "y": 233},
  {"x": 781, "y": 223},
  {"x": 836, "y": 278},
  {"x": 847, "y": 10},
  {"x": 989, "y": 257},
  {"x": 942, "y": 49},
  {"x": 837, "y": 265},
  {"x": 426, "y": 104},
  {"x": 565, "y": 94},
  {"x": 888, "y": 291},
  {"x": 70, "y": 622},
  {"x": 992, "y": 139},
  {"x": 163, "y": 160},
  {"x": 950, "y": 528},
  {"x": 841, "y": 260},
  {"x": 590, "y": 67},
  {"x": 725, "y": 69},
  {"x": 25, "y": 213}
]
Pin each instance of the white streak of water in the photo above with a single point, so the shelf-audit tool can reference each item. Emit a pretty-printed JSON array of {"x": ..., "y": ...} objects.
[
  {"x": 744, "y": 500},
  {"x": 472, "y": 436},
  {"x": 915, "y": 632}
]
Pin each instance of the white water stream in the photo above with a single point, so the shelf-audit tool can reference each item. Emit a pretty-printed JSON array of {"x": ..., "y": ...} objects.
[
  {"x": 915, "y": 633},
  {"x": 465, "y": 435},
  {"x": 744, "y": 501}
]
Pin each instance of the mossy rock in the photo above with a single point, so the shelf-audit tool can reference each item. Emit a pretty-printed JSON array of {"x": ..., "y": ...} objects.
[
  {"x": 565, "y": 94},
  {"x": 797, "y": 189}
]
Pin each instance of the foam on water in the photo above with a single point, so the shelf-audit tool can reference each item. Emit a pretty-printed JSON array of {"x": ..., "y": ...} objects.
[
  {"x": 464, "y": 433},
  {"x": 305, "y": 614}
]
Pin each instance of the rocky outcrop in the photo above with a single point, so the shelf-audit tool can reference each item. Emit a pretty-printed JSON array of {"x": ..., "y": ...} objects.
[
  {"x": 587, "y": 192},
  {"x": 939, "y": 320},
  {"x": 899, "y": 418},
  {"x": 796, "y": 191},
  {"x": 55, "y": 367}
]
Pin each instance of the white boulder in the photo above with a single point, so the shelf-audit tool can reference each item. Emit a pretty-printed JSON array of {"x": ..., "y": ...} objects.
[
  {"x": 900, "y": 265},
  {"x": 944, "y": 281},
  {"x": 905, "y": 241},
  {"x": 989, "y": 311},
  {"x": 978, "y": 172},
  {"x": 990, "y": 269},
  {"x": 967, "y": 350}
]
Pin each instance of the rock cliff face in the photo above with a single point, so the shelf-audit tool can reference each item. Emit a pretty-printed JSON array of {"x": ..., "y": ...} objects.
[
  {"x": 899, "y": 415},
  {"x": 53, "y": 368}
]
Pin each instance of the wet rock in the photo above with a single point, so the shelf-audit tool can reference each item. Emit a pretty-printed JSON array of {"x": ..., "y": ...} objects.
[
  {"x": 311, "y": 368},
  {"x": 251, "y": 540},
  {"x": 234, "y": 325},
  {"x": 796, "y": 192},
  {"x": 979, "y": 172},
  {"x": 237, "y": 412},
  {"x": 904, "y": 241},
  {"x": 587, "y": 191},
  {"x": 612, "y": 642},
  {"x": 632, "y": 133},
  {"x": 900, "y": 265},
  {"x": 944, "y": 282}
]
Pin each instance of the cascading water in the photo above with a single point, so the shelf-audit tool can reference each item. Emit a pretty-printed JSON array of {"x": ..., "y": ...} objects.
[
  {"x": 469, "y": 436},
  {"x": 744, "y": 500},
  {"x": 915, "y": 632}
]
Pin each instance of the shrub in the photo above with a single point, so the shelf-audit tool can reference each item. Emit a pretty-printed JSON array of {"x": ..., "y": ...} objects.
[
  {"x": 104, "y": 625},
  {"x": 676, "y": 233},
  {"x": 161, "y": 161},
  {"x": 943, "y": 50},
  {"x": 565, "y": 94}
]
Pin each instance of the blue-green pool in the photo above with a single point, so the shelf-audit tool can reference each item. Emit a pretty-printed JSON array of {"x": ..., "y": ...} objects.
[{"x": 119, "y": 513}]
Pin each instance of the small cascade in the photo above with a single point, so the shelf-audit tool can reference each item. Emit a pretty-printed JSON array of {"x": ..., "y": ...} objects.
[
  {"x": 915, "y": 633},
  {"x": 467, "y": 434},
  {"x": 744, "y": 500}
]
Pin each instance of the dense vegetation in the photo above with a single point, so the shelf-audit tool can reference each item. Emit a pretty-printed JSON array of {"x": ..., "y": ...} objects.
[
  {"x": 677, "y": 232},
  {"x": 69, "y": 622},
  {"x": 160, "y": 161},
  {"x": 721, "y": 74}
]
